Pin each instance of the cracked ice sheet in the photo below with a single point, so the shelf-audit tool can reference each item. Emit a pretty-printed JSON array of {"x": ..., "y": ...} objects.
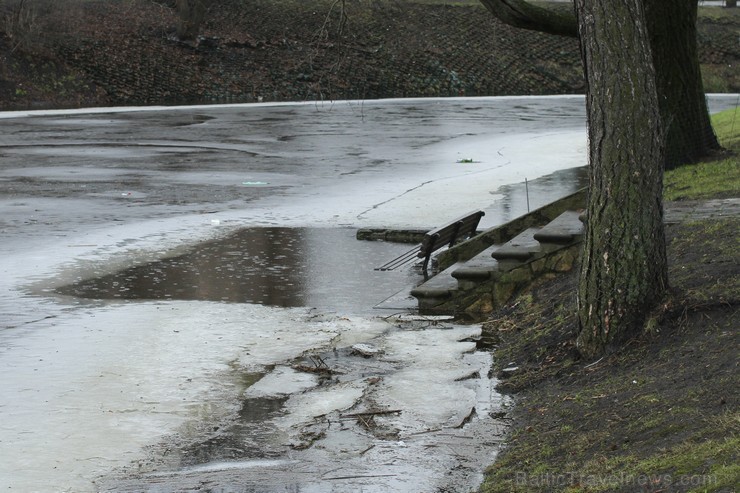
[
  {"x": 82, "y": 396},
  {"x": 429, "y": 387},
  {"x": 421, "y": 447}
]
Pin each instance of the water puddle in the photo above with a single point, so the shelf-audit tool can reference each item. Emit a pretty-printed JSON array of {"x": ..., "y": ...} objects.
[
  {"x": 324, "y": 268},
  {"x": 249, "y": 436}
]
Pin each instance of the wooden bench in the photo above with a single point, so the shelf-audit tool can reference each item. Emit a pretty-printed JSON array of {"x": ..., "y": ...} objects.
[{"x": 447, "y": 235}]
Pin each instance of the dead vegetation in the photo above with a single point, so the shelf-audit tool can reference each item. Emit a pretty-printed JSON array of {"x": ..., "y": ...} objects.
[{"x": 119, "y": 53}]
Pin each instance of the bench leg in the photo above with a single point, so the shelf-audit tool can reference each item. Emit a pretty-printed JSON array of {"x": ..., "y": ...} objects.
[
  {"x": 455, "y": 232},
  {"x": 425, "y": 266}
]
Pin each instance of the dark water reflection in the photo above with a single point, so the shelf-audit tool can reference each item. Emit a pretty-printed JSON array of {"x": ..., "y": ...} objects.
[
  {"x": 288, "y": 267},
  {"x": 250, "y": 436}
]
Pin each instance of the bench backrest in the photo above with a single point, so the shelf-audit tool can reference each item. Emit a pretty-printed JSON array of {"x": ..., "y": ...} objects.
[{"x": 450, "y": 233}]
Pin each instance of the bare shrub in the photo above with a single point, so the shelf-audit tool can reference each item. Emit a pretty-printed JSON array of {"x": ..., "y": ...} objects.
[{"x": 20, "y": 21}]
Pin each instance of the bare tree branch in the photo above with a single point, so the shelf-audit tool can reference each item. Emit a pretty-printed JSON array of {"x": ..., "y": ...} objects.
[{"x": 524, "y": 15}]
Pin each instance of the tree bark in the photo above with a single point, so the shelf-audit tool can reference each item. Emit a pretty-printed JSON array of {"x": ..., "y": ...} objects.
[
  {"x": 519, "y": 13},
  {"x": 683, "y": 105},
  {"x": 624, "y": 269},
  {"x": 672, "y": 30}
]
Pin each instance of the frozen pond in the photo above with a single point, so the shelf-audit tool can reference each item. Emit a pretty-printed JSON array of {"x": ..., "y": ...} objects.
[{"x": 183, "y": 305}]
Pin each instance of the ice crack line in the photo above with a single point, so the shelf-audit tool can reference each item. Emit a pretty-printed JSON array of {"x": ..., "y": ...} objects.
[
  {"x": 375, "y": 206},
  {"x": 359, "y": 216}
]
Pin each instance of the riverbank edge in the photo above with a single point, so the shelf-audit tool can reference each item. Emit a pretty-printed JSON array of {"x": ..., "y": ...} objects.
[{"x": 660, "y": 414}]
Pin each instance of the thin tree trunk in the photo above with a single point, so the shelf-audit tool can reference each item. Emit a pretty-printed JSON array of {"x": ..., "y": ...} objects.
[{"x": 624, "y": 270}]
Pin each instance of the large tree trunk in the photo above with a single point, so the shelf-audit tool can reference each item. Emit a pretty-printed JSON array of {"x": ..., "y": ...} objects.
[
  {"x": 683, "y": 106},
  {"x": 623, "y": 271},
  {"x": 672, "y": 30}
]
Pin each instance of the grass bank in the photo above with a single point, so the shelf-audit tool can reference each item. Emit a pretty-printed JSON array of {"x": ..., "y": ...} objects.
[
  {"x": 662, "y": 414},
  {"x": 716, "y": 178}
]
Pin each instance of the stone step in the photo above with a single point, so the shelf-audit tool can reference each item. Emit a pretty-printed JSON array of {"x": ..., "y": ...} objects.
[
  {"x": 437, "y": 289},
  {"x": 535, "y": 250},
  {"x": 478, "y": 269},
  {"x": 565, "y": 229},
  {"x": 521, "y": 248}
]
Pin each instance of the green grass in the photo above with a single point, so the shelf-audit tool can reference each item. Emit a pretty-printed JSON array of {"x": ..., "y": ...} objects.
[
  {"x": 718, "y": 14},
  {"x": 648, "y": 438},
  {"x": 718, "y": 78},
  {"x": 716, "y": 178},
  {"x": 707, "y": 465},
  {"x": 727, "y": 127}
]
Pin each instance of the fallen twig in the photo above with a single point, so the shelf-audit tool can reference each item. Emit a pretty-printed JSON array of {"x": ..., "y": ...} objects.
[
  {"x": 362, "y": 476},
  {"x": 313, "y": 369},
  {"x": 370, "y": 413}
]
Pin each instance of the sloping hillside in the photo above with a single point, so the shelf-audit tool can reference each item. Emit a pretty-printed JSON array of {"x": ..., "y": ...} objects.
[{"x": 108, "y": 52}]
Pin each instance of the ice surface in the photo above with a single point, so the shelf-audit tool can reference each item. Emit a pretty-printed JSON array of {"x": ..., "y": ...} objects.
[
  {"x": 95, "y": 387},
  {"x": 429, "y": 384},
  {"x": 303, "y": 408},
  {"x": 282, "y": 381},
  {"x": 91, "y": 390}
]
